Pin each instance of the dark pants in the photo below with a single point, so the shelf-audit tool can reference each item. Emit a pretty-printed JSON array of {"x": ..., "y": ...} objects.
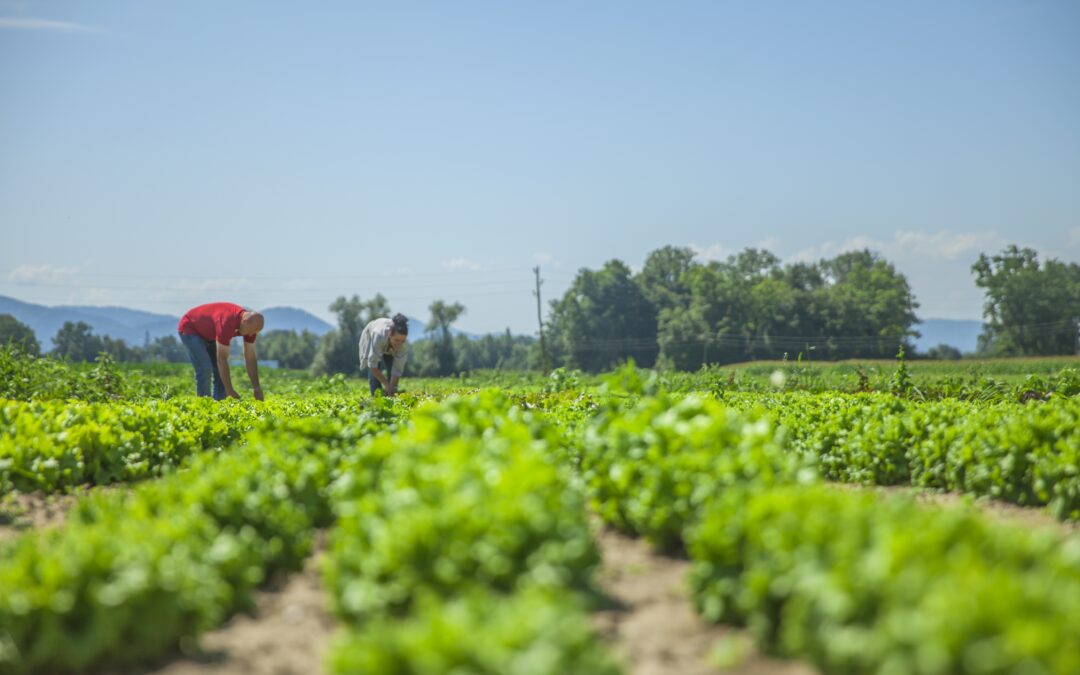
[
  {"x": 387, "y": 366},
  {"x": 204, "y": 357}
]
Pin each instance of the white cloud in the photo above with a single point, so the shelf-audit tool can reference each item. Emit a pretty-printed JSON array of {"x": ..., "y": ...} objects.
[
  {"x": 46, "y": 25},
  {"x": 768, "y": 244},
  {"x": 463, "y": 264},
  {"x": 42, "y": 274},
  {"x": 942, "y": 245},
  {"x": 710, "y": 253}
]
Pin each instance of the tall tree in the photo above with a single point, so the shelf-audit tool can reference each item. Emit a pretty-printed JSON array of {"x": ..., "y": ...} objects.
[
  {"x": 339, "y": 349},
  {"x": 1030, "y": 308},
  {"x": 75, "y": 342},
  {"x": 662, "y": 277},
  {"x": 442, "y": 316},
  {"x": 604, "y": 318},
  {"x": 16, "y": 333},
  {"x": 869, "y": 309}
]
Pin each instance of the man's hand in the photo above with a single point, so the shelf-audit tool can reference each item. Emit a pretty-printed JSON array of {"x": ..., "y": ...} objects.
[{"x": 257, "y": 391}]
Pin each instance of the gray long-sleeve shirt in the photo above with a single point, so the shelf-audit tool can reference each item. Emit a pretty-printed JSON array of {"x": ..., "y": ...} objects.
[{"x": 375, "y": 344}]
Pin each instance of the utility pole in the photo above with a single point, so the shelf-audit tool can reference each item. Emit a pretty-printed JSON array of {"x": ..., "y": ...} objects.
[{"x": 540, "y": 320}]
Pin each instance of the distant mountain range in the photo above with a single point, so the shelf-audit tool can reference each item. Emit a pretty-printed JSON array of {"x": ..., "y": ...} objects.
[{"x": 133, "y": 325}]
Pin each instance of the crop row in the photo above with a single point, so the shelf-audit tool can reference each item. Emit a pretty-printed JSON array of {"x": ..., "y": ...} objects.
[
  {"x": 460, "y": 546},
  {"x": 53, "y": 445},
  {"x": 1024, "y": 454},
  {"x": 132, "y": 574},
  {"x": 852, "y": 581}
]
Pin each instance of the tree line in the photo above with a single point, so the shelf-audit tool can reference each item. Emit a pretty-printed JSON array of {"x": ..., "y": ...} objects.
[{"x": 681, "y": 313}]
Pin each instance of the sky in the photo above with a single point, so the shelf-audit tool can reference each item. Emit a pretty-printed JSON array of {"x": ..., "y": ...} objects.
[{"x": 159, "y": 154}]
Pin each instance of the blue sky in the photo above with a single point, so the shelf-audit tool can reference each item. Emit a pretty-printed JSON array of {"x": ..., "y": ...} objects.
[{"x": 160, "y": 154}]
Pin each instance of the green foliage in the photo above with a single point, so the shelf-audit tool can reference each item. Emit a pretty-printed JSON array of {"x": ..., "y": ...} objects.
[
  {"x": 24, "y": 377},
  {"x": 50, "y": 446},
  {"x": 466, "y": 503},
  {"x": 859, "y": 584},
  {"x": 75, "y": 342},
  {"x": 289, "y": 348},
  {"x": 131, "y": 576},
  {"x": 1027, "y": 455},
  {"x": 1031, "y": 308},
  {"x": 603, "y": 318},
  {"x": 462, "y": 499},
  {"x": 531, "y": 632},
  {"x": 442, "y": 317},
  {"x": 750, "y": 307},
  {"x": 649, "y": 469},
  {"x": 17, "y": 334}
]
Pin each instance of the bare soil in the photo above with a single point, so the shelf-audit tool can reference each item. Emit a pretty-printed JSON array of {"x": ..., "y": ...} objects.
[
  {"x": 1003, "y": 512},
  {"x": 652, "y": 625},
  {"x": 20, "y": 511},
  {"x": 288, "y": 633}
]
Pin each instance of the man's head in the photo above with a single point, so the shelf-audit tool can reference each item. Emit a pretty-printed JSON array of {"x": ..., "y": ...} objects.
[
  {"x": 251, "y": 323},
  {"x": 399, "y": 330}
]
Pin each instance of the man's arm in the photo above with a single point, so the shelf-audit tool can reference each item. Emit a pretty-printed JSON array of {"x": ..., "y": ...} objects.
[
  {"x": 252, "y": 365},
  {"x": 223, "y": 369}
]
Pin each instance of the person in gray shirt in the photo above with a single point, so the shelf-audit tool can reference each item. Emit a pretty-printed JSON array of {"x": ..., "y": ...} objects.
[{"x": 383, "y": 348}]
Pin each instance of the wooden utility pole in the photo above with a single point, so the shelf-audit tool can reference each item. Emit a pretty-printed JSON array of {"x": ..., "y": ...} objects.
[{"x": 540, "y": 320}]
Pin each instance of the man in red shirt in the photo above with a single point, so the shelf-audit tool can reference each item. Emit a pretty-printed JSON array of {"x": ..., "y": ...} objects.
[{"x": 206, "y": 331}]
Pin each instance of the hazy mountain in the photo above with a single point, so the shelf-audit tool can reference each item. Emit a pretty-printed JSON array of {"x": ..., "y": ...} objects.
[
  {"x": 960, "y": 333},
  {"x": 132, "y": 325},
  {"x": 291, "y": 318}
]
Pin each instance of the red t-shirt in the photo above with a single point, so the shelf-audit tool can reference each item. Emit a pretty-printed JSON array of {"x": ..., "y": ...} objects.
[{"x": 218, "y": 321}]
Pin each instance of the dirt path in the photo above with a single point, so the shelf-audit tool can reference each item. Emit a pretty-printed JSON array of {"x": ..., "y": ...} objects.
[
  {"x": 20, "y": 512},
  {"x": 653, "y": 627},
  {"x": 999, "y": 511},
  {"x": 288, "y": 634}
]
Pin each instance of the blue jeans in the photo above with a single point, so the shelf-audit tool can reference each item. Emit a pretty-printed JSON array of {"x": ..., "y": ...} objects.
[
  {"x": 204, "y": 357},
  {"x": 387, "y": 366}
]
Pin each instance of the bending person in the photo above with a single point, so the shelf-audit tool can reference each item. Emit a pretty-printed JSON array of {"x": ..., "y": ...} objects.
[
  {"x": 206, "y": 331},
  {"x": 383, "y": 348}
]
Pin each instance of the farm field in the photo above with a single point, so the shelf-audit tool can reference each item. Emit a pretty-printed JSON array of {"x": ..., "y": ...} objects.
[{"x": 881, "y": 517}]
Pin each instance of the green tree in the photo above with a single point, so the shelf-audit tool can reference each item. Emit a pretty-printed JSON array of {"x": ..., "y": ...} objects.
[
  {"x": 166, "y": 349},
  {"x": 602, "y": 319},
  {"x": 662, "y": 278},
  {"x": 289, "y": 348},
  {"x": 751, "y": 307},
  {"x": 338, "y": 350},
  {"x": 1030, "y": 308},
  {"x": 75, "y": 342},
  {"x": 442, "y": 316},
  {"x": 868, "y": 307},
  {"x": 14, "y": 332}
]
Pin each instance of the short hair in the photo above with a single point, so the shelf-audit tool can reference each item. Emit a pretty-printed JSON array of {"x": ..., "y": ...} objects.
[{"x": 400, "y": 324}]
